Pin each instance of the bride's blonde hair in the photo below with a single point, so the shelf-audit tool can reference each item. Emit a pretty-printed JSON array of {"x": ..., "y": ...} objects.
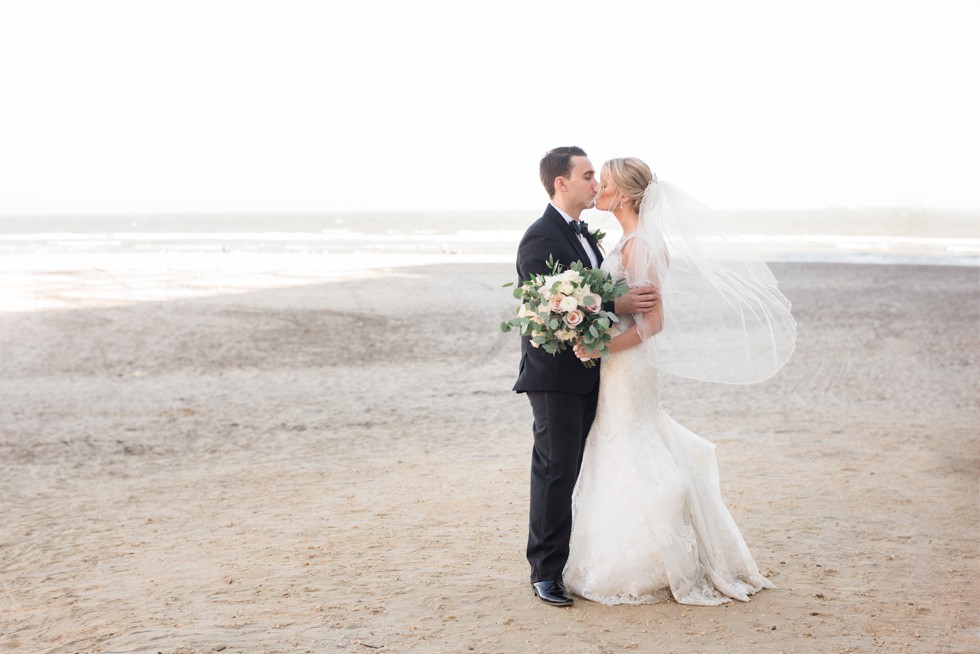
[{"x": 631, "y": 176}]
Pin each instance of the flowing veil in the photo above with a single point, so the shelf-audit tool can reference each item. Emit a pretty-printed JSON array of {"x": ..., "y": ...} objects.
[{"x": 724, "y": 319}]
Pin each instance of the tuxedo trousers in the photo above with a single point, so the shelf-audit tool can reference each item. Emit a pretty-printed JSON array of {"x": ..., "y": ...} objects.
[{"x": 561, "y": 425}]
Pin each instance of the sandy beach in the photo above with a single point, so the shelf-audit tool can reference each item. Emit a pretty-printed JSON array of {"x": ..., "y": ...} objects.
[{"x": 330, "y": 459}]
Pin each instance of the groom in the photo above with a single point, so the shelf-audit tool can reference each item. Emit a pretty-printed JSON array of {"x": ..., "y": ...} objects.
[{"x": 563, "y": 393}]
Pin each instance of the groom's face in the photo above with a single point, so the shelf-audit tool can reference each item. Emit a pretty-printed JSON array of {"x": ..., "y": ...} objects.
[{"x": 581, "y": 184}]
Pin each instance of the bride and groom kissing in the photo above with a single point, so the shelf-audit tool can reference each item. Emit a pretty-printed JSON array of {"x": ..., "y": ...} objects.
[{"x": 625, "y": 503}]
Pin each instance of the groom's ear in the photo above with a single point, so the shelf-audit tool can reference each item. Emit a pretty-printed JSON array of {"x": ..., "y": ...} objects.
[{"x": 561, "y": 184}]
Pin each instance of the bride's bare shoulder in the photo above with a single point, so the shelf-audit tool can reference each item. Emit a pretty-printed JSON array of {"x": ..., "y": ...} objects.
[{"x": 626, "y": 245}]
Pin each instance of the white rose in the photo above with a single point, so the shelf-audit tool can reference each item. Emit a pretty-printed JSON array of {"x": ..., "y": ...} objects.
[
  {"x": 567, "y": 288},
  {"x": 581, "y": 292},
  {"x": 571, "y": 276},
  {"x": 565, "y": 334},
  {"x": 569, "y": 304}
]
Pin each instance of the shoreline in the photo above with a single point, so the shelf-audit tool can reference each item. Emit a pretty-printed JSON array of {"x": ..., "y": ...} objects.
[{"x": 44, "y": 282}]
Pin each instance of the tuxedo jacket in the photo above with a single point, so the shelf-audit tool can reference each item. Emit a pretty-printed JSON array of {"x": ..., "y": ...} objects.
[{"x": 550, "y": 235}]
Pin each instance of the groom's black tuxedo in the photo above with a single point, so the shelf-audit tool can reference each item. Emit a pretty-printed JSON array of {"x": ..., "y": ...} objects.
[
  {"x": 551, "y": 235},
  {"x": 563, "y": 395}
]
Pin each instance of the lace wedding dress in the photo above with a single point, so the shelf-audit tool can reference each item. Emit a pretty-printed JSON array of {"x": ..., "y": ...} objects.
[{"x": 648, "y": 519}]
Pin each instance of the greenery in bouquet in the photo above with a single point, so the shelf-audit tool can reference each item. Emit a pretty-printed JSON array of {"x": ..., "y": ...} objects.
[{"x": 565, "y": 307}]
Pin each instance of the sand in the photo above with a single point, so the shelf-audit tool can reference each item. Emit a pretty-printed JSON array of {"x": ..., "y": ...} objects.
[{"x": 336, "y": 463}]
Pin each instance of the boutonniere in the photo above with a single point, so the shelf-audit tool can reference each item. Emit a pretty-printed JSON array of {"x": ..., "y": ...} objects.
[{"x": 598, "y": 235}]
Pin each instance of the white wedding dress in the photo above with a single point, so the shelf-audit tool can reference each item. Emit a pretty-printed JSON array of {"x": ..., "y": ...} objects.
[{"x": 648, "y": 519}]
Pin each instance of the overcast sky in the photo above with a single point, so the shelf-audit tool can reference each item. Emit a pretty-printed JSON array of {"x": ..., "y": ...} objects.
[{"x": 215, "y": 105}]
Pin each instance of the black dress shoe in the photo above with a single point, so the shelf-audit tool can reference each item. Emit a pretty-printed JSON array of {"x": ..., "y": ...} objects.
[{"x": 552, "y": 592}]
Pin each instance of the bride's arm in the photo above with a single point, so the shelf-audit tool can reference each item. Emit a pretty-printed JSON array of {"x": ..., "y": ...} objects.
[
  {"x": 647, "y": 325},
  {"x": 640, "y": 261}
]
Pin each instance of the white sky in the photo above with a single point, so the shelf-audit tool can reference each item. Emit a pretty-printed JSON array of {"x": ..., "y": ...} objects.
[{"x": 214, "y": 105}]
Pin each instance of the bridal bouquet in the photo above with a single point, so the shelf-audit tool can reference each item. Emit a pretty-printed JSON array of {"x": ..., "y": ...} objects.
[{"x": 565, "y": 307}]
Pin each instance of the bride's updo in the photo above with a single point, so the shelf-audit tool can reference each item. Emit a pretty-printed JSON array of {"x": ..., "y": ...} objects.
[{"x": 631, "y": 176}]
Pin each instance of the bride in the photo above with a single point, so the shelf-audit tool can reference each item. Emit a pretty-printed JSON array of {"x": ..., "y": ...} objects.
[{"x": 648, "y": 521}]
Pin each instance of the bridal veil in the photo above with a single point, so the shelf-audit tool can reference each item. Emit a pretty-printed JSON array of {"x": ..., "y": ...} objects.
[{"x": 724, "y": 319}]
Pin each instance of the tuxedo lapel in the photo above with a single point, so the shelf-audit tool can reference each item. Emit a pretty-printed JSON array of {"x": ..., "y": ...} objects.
[
  {"x": 569, "y": 234},
  {"x": 595, "y": 248}
]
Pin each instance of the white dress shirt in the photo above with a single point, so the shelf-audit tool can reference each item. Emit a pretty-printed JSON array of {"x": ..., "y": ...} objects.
[{"x": 585, "y": 242}]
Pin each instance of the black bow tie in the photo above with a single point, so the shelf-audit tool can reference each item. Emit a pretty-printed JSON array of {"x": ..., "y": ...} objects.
[{"x": 580, "y": 227}]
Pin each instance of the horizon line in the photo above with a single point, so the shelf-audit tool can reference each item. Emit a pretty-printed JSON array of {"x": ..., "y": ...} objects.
[{"x": 316, "y": 212}]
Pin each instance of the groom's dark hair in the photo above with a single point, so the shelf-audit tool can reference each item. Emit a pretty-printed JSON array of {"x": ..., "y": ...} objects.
[{"x": 557, "y": 163}]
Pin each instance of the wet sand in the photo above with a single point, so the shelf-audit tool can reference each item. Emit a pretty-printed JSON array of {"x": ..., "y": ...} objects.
[{"x": 338, "y": 464}]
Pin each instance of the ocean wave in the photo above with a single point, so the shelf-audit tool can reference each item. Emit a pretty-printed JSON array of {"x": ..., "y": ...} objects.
[{"x": 810, "y": 247}]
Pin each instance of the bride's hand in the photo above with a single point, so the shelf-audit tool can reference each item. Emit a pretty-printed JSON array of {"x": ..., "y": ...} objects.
[{"x": 584, "y": 354}]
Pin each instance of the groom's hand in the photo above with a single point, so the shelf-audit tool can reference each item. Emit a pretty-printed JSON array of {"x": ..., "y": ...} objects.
[{"x": 641, "y": 299}]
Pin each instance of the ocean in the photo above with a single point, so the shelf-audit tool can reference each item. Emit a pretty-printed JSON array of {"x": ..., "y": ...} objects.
[{"x": 832, "y": 235}]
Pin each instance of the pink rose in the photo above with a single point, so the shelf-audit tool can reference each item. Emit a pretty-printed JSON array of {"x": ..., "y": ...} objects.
[
  {"x": 592, "y": 308},
  {"x": 574, "y": 318},
  {"x": 554, "y": 304}
]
